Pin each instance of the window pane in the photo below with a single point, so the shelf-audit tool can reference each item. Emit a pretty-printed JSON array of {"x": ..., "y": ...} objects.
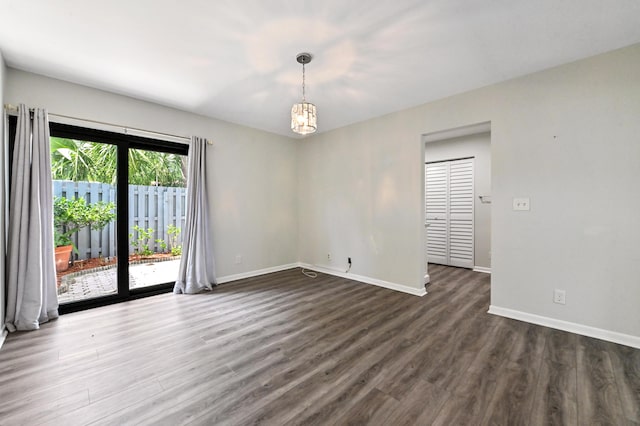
[
  {"x": 84, "y": 189},
  {"x": 157, "y": 195}
]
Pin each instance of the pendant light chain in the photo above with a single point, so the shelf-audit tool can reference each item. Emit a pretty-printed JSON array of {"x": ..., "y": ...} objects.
[{"x": 304, "y": 99}]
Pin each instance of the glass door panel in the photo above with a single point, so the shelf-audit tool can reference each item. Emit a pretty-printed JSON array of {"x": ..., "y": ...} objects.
[
  {"x": 157, "y": 192},
  {"x": 84, "y": 178}
]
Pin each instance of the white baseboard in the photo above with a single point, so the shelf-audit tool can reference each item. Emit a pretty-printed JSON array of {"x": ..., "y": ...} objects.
[
  {"x": 584, "y": 330},
  {"x": 380, "y": 283},
  {"x": 3, "y": 335},
  {"x": 366, "y": 280},
  {"x": 250, "y": 274},
  {"x": 482, "y": 269}
]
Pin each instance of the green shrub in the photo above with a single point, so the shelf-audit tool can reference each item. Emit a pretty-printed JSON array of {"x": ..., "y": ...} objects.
[
  {"x": 174, "y": 236},
  {"x": 163, "y": 244},
  {"x": 141, "y": 244},
  {"x": 70, "y": 216}
]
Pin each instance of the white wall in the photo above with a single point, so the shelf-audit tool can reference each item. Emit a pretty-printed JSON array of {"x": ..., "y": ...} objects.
[
  {"x": 3, "y": 77},
  {"x": 566, "y": 137},
  {"x": 355, "y": 202},
  {"x": 477, "y": 146},
  {"x": 253, "y": 180}
]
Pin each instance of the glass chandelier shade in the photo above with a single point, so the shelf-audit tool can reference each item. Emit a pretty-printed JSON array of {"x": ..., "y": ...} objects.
[{"x": 304, "y": 119}]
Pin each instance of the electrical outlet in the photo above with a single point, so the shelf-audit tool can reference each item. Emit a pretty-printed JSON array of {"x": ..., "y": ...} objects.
[
  {"x": 329, "y": 256},
  {"x": 521, "y": 204},
  {"x": 559, "y": 296},
  {"x": 238, "y": 259},
  {"x": 349, "y": 260}
]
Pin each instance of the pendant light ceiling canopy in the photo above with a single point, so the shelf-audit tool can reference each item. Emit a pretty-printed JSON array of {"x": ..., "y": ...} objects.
[{"x": 303, "y": 114}]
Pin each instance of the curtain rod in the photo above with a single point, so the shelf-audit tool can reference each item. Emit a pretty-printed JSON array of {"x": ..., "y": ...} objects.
[{"x": 14, "y": 108}]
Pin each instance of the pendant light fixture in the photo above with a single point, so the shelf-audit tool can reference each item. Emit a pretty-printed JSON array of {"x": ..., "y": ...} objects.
[{"x": 303, "y": 114}]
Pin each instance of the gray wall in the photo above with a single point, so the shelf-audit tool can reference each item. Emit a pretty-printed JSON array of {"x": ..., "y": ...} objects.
[
  {"x": 253, "y": 180},
  {"x": 565, "y": 137},
  {"x": 3, "y": 84},
  {"x": 479, "y": 147}
]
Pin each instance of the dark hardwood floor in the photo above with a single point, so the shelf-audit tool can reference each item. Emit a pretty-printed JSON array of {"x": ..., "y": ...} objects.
[{"x": 287, "y": 349}]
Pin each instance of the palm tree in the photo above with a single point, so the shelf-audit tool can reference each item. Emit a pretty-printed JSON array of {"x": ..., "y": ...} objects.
[
  {"x": 68, "y": 160},
  {"x": 97, "y": 162}
]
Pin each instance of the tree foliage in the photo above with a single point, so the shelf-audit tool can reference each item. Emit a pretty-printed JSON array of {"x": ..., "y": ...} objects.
[
  {"x": 97, "y": 162},
  {"x": 70, "y": 216}
]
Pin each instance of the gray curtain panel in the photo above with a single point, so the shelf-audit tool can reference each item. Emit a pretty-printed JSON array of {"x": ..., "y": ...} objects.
[
  {"x": 31, "y": 278},
  {"x": 197, "y": 268}
]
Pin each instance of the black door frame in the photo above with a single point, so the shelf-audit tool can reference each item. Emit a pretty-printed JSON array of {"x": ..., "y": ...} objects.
[{"x": 123, "y": 142}]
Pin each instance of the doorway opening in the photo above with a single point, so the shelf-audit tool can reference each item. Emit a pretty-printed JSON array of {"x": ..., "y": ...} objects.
[{"x": 457, "y": 198}]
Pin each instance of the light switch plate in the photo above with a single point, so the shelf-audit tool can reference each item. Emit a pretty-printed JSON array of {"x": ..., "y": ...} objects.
[{"x": 521, "y": 204}]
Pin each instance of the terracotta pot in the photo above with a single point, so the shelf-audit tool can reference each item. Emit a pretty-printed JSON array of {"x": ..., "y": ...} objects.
[{"x": 63, "y": 255}]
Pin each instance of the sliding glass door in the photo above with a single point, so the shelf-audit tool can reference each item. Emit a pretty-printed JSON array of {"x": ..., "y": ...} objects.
[
  {"x": 157, "y": 193},
  {"x": 119, "y": 205},
  {"x": 85, "y": 187}
]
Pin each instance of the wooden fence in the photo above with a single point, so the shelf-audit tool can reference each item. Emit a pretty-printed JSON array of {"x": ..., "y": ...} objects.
[{"x": 154, "y": 207}]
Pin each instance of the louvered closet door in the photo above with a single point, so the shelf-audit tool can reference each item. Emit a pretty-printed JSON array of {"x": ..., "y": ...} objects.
[
  {"x": 449, "y": 212},
  {"x": 461, "y": 213},
  {"x": 437, "y": 214}
]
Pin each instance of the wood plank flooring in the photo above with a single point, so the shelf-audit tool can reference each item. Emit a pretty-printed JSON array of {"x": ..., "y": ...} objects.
[{"x": 285, "y": 349}]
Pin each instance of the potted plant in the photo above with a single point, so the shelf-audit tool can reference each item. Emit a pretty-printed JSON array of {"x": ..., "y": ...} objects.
[
  {"x": 70, "y": 216},
  {"x": 63, "y": 249}
]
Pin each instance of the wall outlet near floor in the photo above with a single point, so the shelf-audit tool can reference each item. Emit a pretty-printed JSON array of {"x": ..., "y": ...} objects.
[
  {"x": 238, "y": 259},
  {"x": 559, "y": 296},
  {"x": 329, "y": 256}
]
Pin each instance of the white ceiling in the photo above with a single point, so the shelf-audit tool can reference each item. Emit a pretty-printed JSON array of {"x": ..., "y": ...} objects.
[{"x": 235, "y": 59}]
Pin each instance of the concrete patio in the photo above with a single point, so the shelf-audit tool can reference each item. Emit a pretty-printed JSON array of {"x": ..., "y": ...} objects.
[{"x": 102, "y": 282}]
